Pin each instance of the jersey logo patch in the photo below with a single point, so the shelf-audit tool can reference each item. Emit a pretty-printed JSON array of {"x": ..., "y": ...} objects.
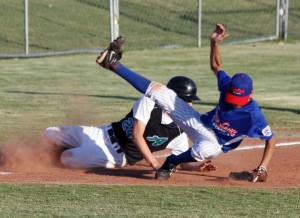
[
  {"x": 157, "y": 141},
  {"x": 267, "y": 131}
]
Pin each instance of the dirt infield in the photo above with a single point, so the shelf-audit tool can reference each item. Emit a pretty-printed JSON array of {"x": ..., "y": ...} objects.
[{"x": 26, "y": 164}]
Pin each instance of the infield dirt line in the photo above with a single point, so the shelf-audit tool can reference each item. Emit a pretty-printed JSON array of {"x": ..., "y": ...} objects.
[{"x": 247, "y": 147}]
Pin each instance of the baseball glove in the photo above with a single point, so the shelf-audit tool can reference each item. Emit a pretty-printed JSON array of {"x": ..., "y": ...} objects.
[
  {"x": 112, "y": 54},
  {"x": 257, "y": 175}
]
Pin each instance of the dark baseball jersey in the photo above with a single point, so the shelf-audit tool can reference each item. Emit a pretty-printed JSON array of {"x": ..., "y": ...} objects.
[{"x": 157, "y": 135}]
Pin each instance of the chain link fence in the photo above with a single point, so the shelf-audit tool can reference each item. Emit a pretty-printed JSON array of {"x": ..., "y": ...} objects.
[{"x": 74, "y": 26}]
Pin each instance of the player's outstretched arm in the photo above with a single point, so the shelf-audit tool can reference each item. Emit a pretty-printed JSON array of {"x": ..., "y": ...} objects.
[
  {"x": 268, "y": 152},
  {"x": 215, "y": 58},
  {"x": 138, "y": 138},
  {"x": 260, "y": 173}
]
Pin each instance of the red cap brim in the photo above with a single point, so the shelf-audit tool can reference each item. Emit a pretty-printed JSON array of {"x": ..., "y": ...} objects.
[{"x": 239, "y": 100}]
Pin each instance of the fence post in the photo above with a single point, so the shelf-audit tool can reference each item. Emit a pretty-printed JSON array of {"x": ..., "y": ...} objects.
[
  {"x": 199, "y": 22},
  {"x": 26, "y": 31},
  {"x": 282, "y": 14},
  {"x": 285, "y": 20},
  {"x": 114, "y": 19}
]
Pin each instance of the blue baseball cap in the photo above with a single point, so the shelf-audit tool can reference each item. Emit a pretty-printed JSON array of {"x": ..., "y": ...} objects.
[{"x": 239, "y": 90}]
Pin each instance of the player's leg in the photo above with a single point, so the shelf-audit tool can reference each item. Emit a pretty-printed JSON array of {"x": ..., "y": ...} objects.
[
  {"x": 208, "y": 148},
  {"x": 66, "y": 136},
  {"x": 95, "y": 151},
  {"x": 139, "y": 82},
  {"x": 92, "y": 156},
  {"x": 198, "y": 152}
]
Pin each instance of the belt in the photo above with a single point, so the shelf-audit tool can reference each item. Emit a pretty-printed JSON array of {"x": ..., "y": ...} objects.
[{"x": 113, "y": 140}]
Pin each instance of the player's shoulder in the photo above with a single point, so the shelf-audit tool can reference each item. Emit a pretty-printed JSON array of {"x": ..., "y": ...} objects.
[
  {"x": 252, "y": 106},
  {"x": 142, "y": 109},
  {"x": 254, "y": 110}
]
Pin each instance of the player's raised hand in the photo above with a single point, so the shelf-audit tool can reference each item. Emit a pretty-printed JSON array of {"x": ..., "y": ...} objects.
[
  {"x": 219, "y": 34},
  {"x": 207, "y": 166}
]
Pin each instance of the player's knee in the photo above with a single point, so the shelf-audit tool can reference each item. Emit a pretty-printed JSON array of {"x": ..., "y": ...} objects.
[
  {"x": 211, "y": 155},
  {"x": 206, "y": 153},
  {"x": 67, "y": 159}
]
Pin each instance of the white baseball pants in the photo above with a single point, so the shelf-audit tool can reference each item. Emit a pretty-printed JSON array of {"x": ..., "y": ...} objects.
[{"x": 89, "y": 147}]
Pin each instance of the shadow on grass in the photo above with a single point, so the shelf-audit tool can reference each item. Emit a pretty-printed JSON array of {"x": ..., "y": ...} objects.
[
  {"x": 71, "y": 94},
  {"x": 148, "y": 174},
  {"x": 132, "y": 173},
  {"x": 208, "y": 177},
  {"x": 296, "y": 111}
]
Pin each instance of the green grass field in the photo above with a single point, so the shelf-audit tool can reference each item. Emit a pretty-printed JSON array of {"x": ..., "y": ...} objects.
[
  {"x": 144, "y": 201},
  {"x": 73, "y": 90}
]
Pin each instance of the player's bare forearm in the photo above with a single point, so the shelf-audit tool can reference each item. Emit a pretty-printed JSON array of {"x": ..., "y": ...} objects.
[
  {"x": 268, "y": 152},
  {"x": 215, "y": 58},
  {"x": 138, "y": 139},
  {"x": 145, "y": 151}
]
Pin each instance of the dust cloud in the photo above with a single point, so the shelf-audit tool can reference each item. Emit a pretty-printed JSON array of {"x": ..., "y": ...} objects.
[{"x": 27, "y": 156}]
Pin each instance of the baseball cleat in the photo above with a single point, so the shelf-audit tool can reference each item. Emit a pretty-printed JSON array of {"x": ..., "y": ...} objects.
[
  {"x": 164, "y": 173},
  {"x": 112, "y": 54}
]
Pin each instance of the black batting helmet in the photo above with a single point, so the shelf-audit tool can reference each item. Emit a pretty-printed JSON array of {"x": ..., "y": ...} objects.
[{"x": 184, "y": 87}]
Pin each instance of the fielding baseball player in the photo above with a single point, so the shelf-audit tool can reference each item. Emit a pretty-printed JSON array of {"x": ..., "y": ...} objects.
[
  {"x": 145, "y": 129},
  {"x": 235, "y": 117}
]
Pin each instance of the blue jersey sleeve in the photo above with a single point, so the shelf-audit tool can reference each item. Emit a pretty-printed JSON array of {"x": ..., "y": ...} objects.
[
  {"x": 223, "y": 80},
  {"x": 260, "y": 128}
]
